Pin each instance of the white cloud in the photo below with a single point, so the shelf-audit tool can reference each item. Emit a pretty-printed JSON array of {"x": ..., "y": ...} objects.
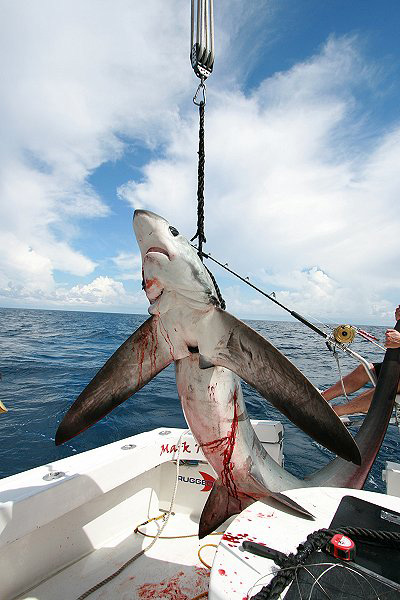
[
  {"x": 102, "y": 293},
  {"x": 77, "y": 79},
  {"x": 301, "y": 191},
  {"x": 102, "y": 290},
  {"x": 129, "y": 266},
  {"x": 289, "y": 187}
]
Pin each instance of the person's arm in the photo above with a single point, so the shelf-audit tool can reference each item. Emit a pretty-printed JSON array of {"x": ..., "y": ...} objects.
[{"x": 392, "y": 337}]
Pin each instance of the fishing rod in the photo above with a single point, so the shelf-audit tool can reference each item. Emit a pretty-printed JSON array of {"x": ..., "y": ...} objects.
[{"x": 341, "y": 336}]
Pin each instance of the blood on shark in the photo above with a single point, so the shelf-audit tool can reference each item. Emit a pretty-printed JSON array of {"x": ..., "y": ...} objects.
[{"x": 188, "y": 327}]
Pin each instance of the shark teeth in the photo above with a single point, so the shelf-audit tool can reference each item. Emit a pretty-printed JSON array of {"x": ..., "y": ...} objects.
[{"x": 158, "y": 250}]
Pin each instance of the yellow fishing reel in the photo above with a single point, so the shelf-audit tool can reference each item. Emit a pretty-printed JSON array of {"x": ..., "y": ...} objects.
[{"x": 344, "y": 334}]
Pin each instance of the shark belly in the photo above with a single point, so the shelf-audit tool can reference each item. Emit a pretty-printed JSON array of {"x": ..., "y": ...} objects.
[{"x": 212, "y": 401}]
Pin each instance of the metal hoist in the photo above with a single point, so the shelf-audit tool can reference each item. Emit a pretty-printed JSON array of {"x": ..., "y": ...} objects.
[
  {"x": 202, "y": 38},
  {"x": 202, "y": 61}
]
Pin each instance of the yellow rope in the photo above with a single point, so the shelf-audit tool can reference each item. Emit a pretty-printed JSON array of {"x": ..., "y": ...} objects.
[
  {"x": 167, "y": 537},
  {"x": 148, "y": 521},
  {"x": 177, "y": 537},
  {"x": 200, "y": 549}
]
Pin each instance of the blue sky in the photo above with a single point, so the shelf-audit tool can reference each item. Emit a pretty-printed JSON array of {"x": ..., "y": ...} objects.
[{"x": 302, "y": 151}]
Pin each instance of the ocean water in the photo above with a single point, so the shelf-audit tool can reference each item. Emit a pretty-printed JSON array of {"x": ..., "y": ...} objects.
[{"x": 47, "y": 358}]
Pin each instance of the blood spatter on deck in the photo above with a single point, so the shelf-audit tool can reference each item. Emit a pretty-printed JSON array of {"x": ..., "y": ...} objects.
[
  {"x": 222, "y": 571},
  {"x": 181, "y": 586},
  {"x": 261, "y": 515},
  {"x": 234, "y": 540}
]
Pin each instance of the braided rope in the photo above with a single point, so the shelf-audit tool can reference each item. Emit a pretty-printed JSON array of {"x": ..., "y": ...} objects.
[
  {"x": 316, "y": 541},
  {"x": 200, "y": 235},
  {"x": 200, "y": 185},
  {"x": 218, "y": 291},
  {"x": 139, "y": 554}
]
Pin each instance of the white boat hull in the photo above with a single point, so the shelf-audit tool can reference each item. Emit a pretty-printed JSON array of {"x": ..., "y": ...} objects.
[{"x": 66, "y": 526}]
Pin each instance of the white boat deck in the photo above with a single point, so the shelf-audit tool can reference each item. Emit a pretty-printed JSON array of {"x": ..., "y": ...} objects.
[
  {"x": 66, "y": 527},
  {"x": 171, "y": 569}
]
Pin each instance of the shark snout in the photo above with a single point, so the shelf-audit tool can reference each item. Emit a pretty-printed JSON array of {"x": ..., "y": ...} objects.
[
  {"x": 152, "y": 233},
  {"x": 140, "y": 212},
  {"x": 146, "y": 216}
]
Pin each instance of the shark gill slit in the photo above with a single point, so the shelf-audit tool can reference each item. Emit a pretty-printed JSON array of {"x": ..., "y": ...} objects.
[{"x": 193, "y": 349}]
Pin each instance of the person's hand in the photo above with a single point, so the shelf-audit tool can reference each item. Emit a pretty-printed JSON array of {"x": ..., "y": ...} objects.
[
  {"x": 397, "y": 313},
  {"x": 392, "y": 338}
]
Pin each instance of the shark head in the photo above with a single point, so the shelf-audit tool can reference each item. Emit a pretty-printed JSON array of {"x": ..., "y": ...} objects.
[{"x": 172, "y": 269}]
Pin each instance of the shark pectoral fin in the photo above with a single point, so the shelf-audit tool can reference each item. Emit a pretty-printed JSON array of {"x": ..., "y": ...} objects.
[
  {"x": 144, "y": 354},
  {"x": 3, "y": 409},
  {"x": 232, "y": 344},
  {"x": 218, "y": 508}
]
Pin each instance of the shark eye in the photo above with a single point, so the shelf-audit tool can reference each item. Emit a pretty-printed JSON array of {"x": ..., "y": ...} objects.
[{"x": 174, "y": 231}]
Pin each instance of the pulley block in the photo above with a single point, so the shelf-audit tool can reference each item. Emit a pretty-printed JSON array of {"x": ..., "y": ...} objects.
[{"x": 202, "y": 38}]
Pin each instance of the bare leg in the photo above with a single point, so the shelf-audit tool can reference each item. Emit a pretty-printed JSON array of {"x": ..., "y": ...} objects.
[
  {"x": 360, "y": 404},
  {"x": 352, "y": 382}
]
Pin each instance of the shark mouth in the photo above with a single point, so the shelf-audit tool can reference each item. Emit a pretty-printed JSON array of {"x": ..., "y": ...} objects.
[
  {"x": 157, "y": 250},
  {"x": 152, "y": 286}
]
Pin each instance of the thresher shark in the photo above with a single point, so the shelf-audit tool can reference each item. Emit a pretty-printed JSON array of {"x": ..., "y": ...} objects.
[{"x": 212, "y": 350}]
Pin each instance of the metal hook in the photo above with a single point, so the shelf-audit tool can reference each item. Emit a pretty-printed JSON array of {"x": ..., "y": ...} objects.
[{"x": 200, "y": 90}]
